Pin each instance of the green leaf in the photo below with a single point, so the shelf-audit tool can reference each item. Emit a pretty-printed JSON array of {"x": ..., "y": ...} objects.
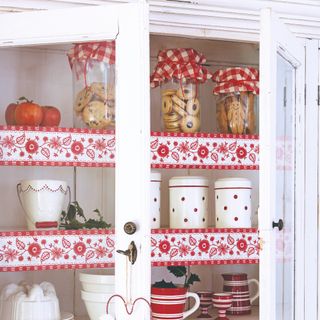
[
  {"x": 179, "y": 271},
  {"x": 72, "y": 210},
  {"x": 193, "y": 278},
  {"x": 163, "y": 284}
]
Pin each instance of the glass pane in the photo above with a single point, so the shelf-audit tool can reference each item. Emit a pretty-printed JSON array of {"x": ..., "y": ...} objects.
[{"x": 285, "y": 188}]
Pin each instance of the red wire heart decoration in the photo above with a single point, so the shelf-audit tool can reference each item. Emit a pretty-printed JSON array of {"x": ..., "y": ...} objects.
[{"x": 129, "y": 312}]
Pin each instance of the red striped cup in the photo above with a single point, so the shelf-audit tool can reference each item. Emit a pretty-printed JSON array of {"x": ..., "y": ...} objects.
[
  {"x": 222, "y": 301},
  {"x": 169, "y": 303}
]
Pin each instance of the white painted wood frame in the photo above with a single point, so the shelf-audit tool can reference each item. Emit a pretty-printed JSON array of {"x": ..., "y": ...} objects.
[
  {"x": 274, "y": 38},
  {"x": 132, "y": 158},
  {"x": 311, "y": 180},
  {"x": 128, "y": 24}
]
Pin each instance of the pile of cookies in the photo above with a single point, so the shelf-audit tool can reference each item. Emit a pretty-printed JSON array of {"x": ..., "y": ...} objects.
[
  {"x": 235, "y": 113},
  {"x": 95, "y": 105},
  {"x": 180, "y": 110}
]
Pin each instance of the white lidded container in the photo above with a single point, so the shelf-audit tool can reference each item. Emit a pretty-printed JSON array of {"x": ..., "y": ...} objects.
[
  {"x": 155, "y": 189},
  {"x": 188, "y": 202},
  {"x": 233, "y": 203}
]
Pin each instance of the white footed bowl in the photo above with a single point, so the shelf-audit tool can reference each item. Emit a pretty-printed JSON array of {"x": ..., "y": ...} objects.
[
  {"x": 97, "y": 281},
  {"x": 42, "y": 202},
  {"x": 96, "y": 304}
]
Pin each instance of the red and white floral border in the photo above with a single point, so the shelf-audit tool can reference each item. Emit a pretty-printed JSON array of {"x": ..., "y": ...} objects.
[
  {"x": 204, "y": 246},
  {"x": 204, "y": 150},
  {"x": 78, "y": 249},
  {"x": 45, "y": 250},
  {"x": 41, "y": 146}
]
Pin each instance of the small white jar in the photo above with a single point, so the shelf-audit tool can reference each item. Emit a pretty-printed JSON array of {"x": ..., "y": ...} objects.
[
  {"x": 233, "y": 203},
  {"x": 188, "y": 202},
  {"x": 155, "y": 191}
]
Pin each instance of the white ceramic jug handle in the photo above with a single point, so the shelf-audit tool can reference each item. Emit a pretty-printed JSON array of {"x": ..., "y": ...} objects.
[
  {"x": 257, "y": 284},
  {"x": 69, "y": 191},
  {"x": 196, "y": 305},
  {"x": 18, "y": 193}
]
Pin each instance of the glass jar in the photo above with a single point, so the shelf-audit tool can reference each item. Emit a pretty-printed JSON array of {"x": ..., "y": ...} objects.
[
  {"x": 94, "y": 94},
  {"x": 180, "y": 106},
  {"x": 237, "y": 113}
]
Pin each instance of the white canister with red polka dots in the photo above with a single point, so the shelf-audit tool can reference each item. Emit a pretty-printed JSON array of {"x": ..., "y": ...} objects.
[
  {"x": 233, "y": 203},
  {"x": 188, "y": 202},
  {"x": 155, "y": 187}
]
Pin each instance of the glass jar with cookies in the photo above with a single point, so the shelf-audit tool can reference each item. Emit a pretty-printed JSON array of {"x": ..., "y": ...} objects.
[
  {"x": 179, "y": 72},
  {"x": 93, "y": 69},
  {"x": 237, "y": 92},
  {"x": 180, "y": 107}
]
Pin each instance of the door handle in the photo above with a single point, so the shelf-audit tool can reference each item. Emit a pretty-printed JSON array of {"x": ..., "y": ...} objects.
[
  {"x": 131, "y": 252},
  {"x": 278, "y": 224}
]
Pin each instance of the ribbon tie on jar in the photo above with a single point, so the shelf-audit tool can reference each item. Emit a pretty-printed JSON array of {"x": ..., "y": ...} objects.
[
  {"x": 103, "y": 51},
  {"x": 181, "y": 64},
  {"x": 236, "y": 79}
]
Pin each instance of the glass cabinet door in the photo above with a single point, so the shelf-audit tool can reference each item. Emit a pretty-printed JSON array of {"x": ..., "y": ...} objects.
[
  {"x": 127, "y": 24},
  {"x": 281, "y": 168}
]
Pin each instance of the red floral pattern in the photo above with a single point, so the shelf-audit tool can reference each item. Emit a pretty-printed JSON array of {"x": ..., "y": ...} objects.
[
  {"x": 33, "y": 250},
  {"x": 218, "y": 151},
  {"x": 205, "y": 246},
  {"x": 56, "y": 147},
  {"x": 57, "y": 249},
  {"x": 82, "y": 147}
]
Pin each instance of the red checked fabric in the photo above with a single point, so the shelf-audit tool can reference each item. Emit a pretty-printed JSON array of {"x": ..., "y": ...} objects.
[
  {"x": 181, "y": 64},
  {"x": 236, "y": 80},
  {"x": 101, "y": 51}
]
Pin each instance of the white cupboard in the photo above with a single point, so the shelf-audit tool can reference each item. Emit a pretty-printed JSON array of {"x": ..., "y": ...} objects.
[{"x": 34, "y": 63}]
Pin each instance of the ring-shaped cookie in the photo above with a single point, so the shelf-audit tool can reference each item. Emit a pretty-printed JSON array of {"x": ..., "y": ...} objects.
[
  {"x": 172, "y": 125},
  {"x": 177, "y": 109},
  {"x": 171, "y": 117},
  {"x": 190, "y": 124},
  {"x": 168, "y": 92},
  {"x": 193, "y": 107},
  {"x": 178, "y": 102},
  {"x": 166, "y": 104}
]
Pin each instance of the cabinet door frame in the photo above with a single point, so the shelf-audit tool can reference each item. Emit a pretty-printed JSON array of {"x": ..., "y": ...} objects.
[
  {"x": 276, "y": 39},
  {"x": 128, "y": 24},
  {"x": 311, "y": 247}
]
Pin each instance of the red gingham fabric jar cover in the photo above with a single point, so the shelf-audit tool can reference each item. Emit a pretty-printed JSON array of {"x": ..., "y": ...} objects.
[
  {"x": 179, "y": 64},
  {"x": 236, "y": 80},
  {"x": 101, "y": 51}
]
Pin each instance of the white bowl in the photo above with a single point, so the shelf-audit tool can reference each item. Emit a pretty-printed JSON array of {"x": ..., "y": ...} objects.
[
  {"x": 97, "y": 281},
  {"x": 96, "y": 304}
]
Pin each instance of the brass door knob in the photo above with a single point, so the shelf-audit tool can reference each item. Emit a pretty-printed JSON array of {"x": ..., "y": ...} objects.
[{"x": 130, "y": 228}]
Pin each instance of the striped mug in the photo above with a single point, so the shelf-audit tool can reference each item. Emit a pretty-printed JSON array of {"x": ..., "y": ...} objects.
[
  {"x": 238, "y": 285},
  {"x": 169, "y": 303}
]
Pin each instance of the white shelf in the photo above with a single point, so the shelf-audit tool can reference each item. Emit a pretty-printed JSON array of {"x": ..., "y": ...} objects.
[{"x": 253, "y": 316}]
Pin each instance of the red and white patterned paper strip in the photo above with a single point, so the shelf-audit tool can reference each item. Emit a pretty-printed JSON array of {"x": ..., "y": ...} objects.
[
  {"x": 41, "y": 146},
  {"x": 30, "y": 146},
  {"x": 45, "y": 250},
  {"x": 204, "y": 150},
  {"x": 78, "y": 249},
  {"x": 204, "y": 246}
]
